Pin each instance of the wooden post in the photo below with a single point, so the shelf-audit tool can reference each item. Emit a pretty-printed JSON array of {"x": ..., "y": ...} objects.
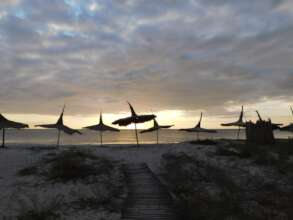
[
  {"x": 58, "y": 139},
  {"x": 101, "y": 138},
  {"x": 238, "y": 133},
  {"x": 136, "y": 135},
  {"x": 158, "y": 136},
  {"x": 3, "y": 137}
]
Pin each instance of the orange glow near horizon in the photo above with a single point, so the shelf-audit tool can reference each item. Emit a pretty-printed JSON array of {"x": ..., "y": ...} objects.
[{"x": 179, "y": 119}]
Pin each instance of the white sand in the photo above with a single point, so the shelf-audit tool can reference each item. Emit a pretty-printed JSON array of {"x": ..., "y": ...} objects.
[{"x": 13, "y": 159}]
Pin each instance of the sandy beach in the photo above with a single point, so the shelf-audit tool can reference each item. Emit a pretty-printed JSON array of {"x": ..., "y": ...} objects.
[
  {"x": 22, "y": 190},
  {"x": 15, "y": 159}
]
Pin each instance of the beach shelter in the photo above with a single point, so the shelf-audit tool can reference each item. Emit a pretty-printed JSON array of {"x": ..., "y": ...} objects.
[
  {"x": 6, "y": 124},
  {"x": 101, "y": 127},
  {"x": 156, "y": 127},
  {"x": 134, "y": 118},
  {"x": 274, "y": 125},
  {"x": 59, "y": 125},
  {"x": 239, "y": 123},
  {"x": 198, "y": 129}
]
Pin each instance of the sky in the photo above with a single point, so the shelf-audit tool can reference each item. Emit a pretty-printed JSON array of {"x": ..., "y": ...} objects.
[{"x": 173, "y": 58}]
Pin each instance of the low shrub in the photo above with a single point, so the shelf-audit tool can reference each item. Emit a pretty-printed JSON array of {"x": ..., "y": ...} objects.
[
  {"x": 76, "y": 165},
  {"x": 33, "y": 208},
  {"x": 28, "y": 171},
  {"x": 204, "y": 142}
]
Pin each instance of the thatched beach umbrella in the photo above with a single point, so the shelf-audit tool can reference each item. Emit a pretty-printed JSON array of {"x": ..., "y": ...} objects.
[
  {"x": 101, "y": 127},
  {"x": 6, "y": 124},
  {"x": 134, "y": 118},
  {"x": 290, "y": 126},
  {"x": 198, "y": 129},
  {"x": 60, "y": 127},
  {"x": 240, "y": 123},
  {"x": 274, "y": 125},
  {"x": 156, "y": 127}
]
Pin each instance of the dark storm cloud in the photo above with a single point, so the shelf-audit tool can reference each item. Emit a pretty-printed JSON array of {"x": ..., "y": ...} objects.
[{"x": 169, "y": 54}]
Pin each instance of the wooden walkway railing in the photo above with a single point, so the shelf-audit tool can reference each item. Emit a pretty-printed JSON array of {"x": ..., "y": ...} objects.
[{"x": 147, "y": 198}]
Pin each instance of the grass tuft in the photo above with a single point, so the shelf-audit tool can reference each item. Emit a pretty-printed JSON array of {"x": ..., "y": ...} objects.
[
  {"x": 204, "y": 142},
  {"x": 33, "y": 208},
  {"x": 76, "y": 165},
  {"x": 28, "y": 171}
]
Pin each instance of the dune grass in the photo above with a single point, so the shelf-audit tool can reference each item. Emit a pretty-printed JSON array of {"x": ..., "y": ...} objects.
[
  {"x": 99, "y": 180},
  {"x": 204, "y": 142},
  {"x": 28, "y": 171},
  {"x": 73, "y": 165},
  {"x": 205, "y": 190},
  {"x": 277, "y": 155},
  {"x": 34, "y": 208}
]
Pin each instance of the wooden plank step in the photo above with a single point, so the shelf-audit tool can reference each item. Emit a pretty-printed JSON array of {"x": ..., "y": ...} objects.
[{"x": 147, "y": 197}]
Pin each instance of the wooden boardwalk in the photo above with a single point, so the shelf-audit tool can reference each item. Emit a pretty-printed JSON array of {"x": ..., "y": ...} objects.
[{"x": 147, "y": 198}]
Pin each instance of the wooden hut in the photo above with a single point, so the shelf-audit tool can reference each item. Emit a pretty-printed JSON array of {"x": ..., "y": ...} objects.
[{"x": 260, "y": 132}]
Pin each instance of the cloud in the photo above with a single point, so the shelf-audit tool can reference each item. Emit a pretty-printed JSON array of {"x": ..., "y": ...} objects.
[
  {"x": 161, "y": 55},
  {"x": 8, "y": 3}
]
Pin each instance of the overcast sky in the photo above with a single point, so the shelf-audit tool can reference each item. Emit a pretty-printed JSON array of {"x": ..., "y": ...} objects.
[{"x": 169, "y": 56}]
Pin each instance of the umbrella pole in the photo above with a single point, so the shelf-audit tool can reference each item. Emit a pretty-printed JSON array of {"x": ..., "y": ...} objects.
[
  {"x": 3, "y": 137},
  {"x": 238, "y": 133},
  {"x": 136, "y": 135},
  {"x": 197, "y": 136},
  {"x": 158, "y": 136},
  {"x": 101, "y": 138},
  {"x": 58, "y": 139}
]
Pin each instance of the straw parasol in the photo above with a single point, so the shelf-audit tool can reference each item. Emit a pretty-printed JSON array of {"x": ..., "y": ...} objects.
[
  {"x": 198, "y": 129},
  {"x": 59, "y": 125},
  {"x": 156, "y": 127},
  {"x": 134, "y": 118},
  {"x": 239, "y": 123},
  {"x": 6, "y": 124},
  {"x": 101, "y": 127},
  {"x": 290, "y": 126}
]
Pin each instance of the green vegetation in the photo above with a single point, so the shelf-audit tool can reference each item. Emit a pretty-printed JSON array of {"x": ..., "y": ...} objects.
[
  {"x": 204, "y": 142},
  {"x": 106, "y": 194},
  {"x": 76, "y": 165},
  {"x": 100, "y": 185},
  {"x": 217, "y": 188},
  {"x": 190, "y": 180},
  {"x": 28, "y": 171},
  {"x": 32, "y": 208},
  {"x": 276, "y": 155}
]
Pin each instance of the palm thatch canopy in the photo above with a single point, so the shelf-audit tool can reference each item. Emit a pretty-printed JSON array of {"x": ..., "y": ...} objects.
[
  {"x": 101, "y": 127},
  {"x": 134, "y": 118},
  {"x": 6, "y": 124},
  {"x": 198, "y": 128},
  {"x": 238, "y": 123},
  {"x": 59, "y": 125},
  {"x": 156, "y": 127},
  {"x": 287, "y": 128},
  {"x": 290, "y": 126}
]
